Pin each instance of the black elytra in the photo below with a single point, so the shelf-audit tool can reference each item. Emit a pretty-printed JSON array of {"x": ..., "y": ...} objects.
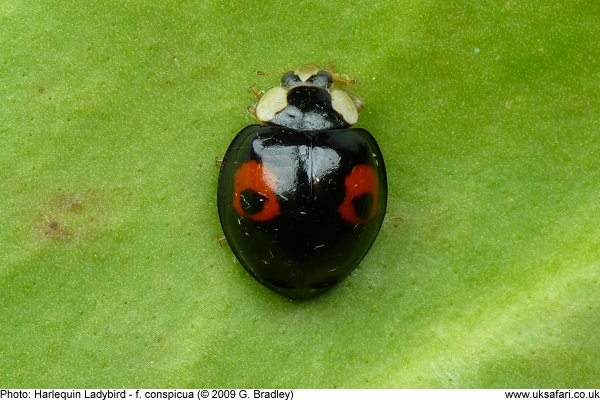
[{"x": 301, "y": 208}]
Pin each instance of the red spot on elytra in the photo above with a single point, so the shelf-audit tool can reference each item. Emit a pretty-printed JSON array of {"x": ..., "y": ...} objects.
[
  {"x": 361, "y": 191},
  {"x": 254, "y": 192}
]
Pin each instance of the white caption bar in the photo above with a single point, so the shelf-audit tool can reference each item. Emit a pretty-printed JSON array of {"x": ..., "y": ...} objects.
[{"x": 297, "y": 394}]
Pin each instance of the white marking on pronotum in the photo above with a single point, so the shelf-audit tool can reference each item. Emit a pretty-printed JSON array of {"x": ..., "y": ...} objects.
[
  {"x": 344, "y": 105},
  {"x": 273, "y": 101}
]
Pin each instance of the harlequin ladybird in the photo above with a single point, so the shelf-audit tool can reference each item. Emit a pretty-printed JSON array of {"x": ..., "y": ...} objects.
[{"x": 302, "y": 197}]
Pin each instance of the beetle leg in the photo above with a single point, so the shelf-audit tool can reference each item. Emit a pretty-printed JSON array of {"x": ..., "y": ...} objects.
[
  {"x": 255, "y": 92},
  {"x": 218, "y": 161},
  {"x": 252, "y": 111},
  {"x": 222, "y": 240}
]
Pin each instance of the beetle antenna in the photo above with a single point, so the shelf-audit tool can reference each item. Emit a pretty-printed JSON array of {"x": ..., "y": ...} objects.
[
  {"x": 340, "y": 78},
  {"x": 344, "y": 79},
  {"x": 263, "y": 73}
]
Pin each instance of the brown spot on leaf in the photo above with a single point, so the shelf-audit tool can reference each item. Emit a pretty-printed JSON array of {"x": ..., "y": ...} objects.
[
  {"x": 397, "y": 222},
  {"x": 71, "y": 203},
  {"x": 160, "y": 340},
  {"x": 71, "y": 217},
  {"x": 41, "y": 90},
  {"x": 55, "y": 230}
]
